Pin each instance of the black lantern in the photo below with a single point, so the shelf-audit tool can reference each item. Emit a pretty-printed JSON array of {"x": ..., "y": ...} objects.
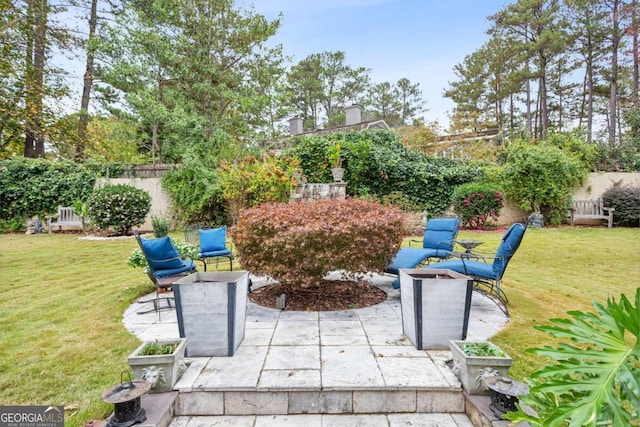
[
  {"x": 504, "y": 394},
  {"x": 126, "y": 399}
]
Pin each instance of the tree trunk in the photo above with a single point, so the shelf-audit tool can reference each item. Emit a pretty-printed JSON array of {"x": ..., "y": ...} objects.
[
  {"x": 544, "y": 109},
  {"x": 34, "y": 81},
  {"x": 88, "y": 83},
  {"x": 635, "y": 28},
  {"x": 615, "y": 41}
]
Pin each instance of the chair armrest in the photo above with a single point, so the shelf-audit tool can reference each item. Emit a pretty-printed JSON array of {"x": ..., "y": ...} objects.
[
  {"x": 609, "y": 209},
  {"x": 167, "y": 259},
  {"x": 475, "y": 256}
]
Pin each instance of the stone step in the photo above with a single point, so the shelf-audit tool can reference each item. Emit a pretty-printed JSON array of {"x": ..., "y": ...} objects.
[
  {"x": 293, "y": 402},
  {"x": 327, "y": 420}
]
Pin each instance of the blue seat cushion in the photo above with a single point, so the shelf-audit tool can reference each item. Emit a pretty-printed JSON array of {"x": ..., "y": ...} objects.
[
  {"x": 212, "y": 254},
  {"x": 184, "y": 268},
  {"x": 468, "y": 267},
  {"x": 440, "y": 232},
  {"x": 412, "y": 257},
  {"x": 161, "y": 254},
  {"x": 510, "y": 243},
  {"x": 213, "y": 240}
]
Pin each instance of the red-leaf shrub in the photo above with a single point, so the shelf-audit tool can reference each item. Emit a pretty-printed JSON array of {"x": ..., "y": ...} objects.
[{"x": 299, "y": 243}]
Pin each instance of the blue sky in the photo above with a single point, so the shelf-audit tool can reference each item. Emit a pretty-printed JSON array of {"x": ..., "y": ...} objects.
[{"x": 418, "y": 39}]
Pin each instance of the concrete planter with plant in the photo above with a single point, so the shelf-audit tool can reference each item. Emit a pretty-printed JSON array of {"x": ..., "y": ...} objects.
[
  {"x": 159, "y": 362},
  {"x": 473, "y": 361}
]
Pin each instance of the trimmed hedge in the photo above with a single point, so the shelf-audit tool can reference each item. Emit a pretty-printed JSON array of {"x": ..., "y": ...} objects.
[
  {"x": 31, "y": 187},
  {"x": 299, "y": 243}
]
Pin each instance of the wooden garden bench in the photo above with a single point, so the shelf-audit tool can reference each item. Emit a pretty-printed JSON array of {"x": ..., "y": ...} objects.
[
  {"x": 64, "y": 218},
  {"x": 590, "y": 209}
]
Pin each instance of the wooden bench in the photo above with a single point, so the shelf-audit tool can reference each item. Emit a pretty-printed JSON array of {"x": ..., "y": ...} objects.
[
  {"x": 64, "y": 218},
  {"x": 590, "y": 209}
]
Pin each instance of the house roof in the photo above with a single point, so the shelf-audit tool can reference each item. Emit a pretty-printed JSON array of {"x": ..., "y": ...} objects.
[{"x": 371, "y": 124}]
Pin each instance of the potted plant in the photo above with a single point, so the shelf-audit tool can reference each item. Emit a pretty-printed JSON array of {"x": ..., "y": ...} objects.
[
  {"x": 336, "y": 163},
  {"x": 159, "y": 362},
  {"x": 473, "y": 361}
]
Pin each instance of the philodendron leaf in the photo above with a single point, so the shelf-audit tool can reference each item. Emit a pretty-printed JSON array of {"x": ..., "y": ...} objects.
[{"x": 597, "y": 380}]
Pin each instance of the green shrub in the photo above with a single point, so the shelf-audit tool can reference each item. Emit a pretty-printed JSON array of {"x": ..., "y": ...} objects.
[
  {"x": 299, "y": 243},
  {"x": 626, "y": 202},
  {"x": 251, "y": 181},
  {"x": 160, "y": 225},
  {"x": 402, "y": 201},
  {"x": 119, "y": 207},
  {"x": 196, "y": 196},
  {"x": 31, "y": 187},
  {"x": 541, "y": 178},
  {"x": 475, "y": 204}
]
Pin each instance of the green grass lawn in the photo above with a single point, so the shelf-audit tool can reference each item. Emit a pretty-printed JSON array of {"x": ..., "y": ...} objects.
[{"x": 62, "y": 300}]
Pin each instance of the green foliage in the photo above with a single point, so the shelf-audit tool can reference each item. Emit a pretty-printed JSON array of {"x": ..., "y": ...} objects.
[
  {"x": 195, "y": 193},
  {"x": 160, "y": 225},
  {"x": 483, "y": 349},
  {"x": 31, "y": 187},
  {"x": 155, "y": 349},
  {"x": 299, "y": 243},
  {"x": 574, "y": 143},
  {"x": 401, "y": 201},
  {"x": 377, "y": 164},
  {"x": 251, "y": 181},
  {"x": 541, "y": 178},
  {"x": 626, "y": 202},
  {"x": 119, "y": 207},
  {"x": 335, "y": 161},
  {"x": 81, "y": 209},
  {"x": 597, "y": 380},
  {"x": 475, "y": 203},
  {"x": 181, "y": 84}
]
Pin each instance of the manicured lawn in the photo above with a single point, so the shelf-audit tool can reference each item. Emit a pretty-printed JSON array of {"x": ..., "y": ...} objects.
[{"x": 62, "y": 299}]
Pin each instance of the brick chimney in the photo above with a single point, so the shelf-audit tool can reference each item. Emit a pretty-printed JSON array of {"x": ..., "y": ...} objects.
[
  {"x": 354, "y": 114},
  {"x": 295, "y": 126}
]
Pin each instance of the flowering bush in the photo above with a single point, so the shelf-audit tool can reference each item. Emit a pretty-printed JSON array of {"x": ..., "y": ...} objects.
[
  {"x": 299, "y": 243},
  {"x": 475, "y": 204},
  {"x": 119, "y": 207}
]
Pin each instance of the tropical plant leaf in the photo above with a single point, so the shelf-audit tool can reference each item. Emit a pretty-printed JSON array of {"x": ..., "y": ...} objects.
[{"x": 596, "y": 381}]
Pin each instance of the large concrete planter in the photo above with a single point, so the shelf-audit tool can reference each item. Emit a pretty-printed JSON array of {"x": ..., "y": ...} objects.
[
  {"x": 435, "y": 306},
  {"x": 212, "y": 309},
  {"x": 471, "y": 370},
  {"x": 163, "y": 370}
]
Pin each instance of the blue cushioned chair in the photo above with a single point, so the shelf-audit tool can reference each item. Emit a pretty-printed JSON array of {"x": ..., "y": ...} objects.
[
  {"x": 212, "y": 242},
  {"x": 487, "y": 276},
  {"x": 437, "y": 242},
  {"x": 165, "y": 266}
]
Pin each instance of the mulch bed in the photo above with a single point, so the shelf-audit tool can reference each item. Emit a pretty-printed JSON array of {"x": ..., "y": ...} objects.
[{"x": 330, "y": 295}]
